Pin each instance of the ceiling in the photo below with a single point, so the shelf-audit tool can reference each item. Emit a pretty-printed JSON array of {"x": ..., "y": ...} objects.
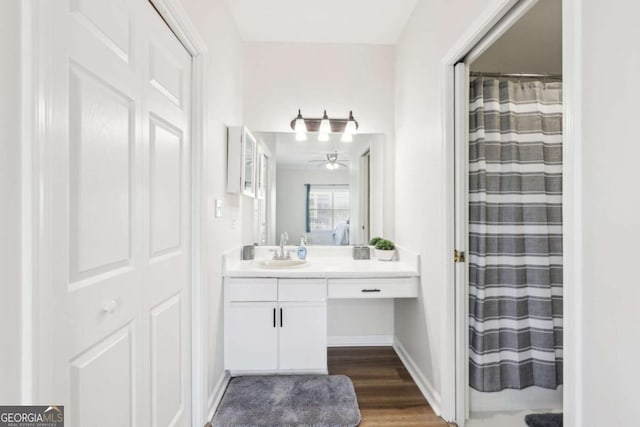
[{"x": 327, "y": 21}]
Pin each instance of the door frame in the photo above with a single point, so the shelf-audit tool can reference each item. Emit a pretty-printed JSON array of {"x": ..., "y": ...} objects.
[
  {"x": 37, "y": 130},
  {"x": 498, "y": 17}
]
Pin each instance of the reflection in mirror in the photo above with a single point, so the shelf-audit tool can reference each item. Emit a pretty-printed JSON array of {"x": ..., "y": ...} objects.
[
  {"x": 249, "y": 150},
  {"x": 320, "y": 190}
]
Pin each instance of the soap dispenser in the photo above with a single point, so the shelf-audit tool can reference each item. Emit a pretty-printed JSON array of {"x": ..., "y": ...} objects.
[{"x": 302, "y": 249}]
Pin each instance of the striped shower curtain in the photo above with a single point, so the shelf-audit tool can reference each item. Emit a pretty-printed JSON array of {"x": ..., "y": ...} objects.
[{"x": 515, "y": 234}]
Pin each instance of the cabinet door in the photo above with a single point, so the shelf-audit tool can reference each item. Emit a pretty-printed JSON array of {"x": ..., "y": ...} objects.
[
  {"x": 248, "y": 163},
  {"x": 252, "y": 336},
  {"x": 303, "y": 335}
]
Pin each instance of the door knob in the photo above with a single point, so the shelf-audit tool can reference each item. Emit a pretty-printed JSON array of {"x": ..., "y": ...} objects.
[{"x": 110, "y": 306}]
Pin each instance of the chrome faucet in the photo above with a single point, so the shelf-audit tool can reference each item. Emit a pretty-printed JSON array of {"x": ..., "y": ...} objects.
[{"x": 284, "y": 237}]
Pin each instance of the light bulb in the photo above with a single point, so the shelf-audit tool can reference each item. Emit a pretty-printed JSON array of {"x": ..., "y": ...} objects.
[
  {"x": 352, "y": 126},
  {"x": 325, "y": 125},
  {"x": 300, "y": 126},
  {"x": 301, "y": 136},
  {"x": 330, "y": 166},
  {"x": 322, "y": 136},
  {"x": 346, "y": 137}
]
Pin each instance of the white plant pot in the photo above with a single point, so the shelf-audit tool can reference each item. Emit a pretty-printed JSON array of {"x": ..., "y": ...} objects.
[{"x": 385, "y": 255}]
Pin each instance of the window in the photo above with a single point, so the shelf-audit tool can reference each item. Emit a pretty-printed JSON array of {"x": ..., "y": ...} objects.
[{"x": 327, "y": 207}]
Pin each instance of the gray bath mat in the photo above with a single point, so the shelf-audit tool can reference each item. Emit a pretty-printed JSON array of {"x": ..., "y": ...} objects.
[
  {"x": 288, "y": 401},
  {"x": 543, "y": 420}
]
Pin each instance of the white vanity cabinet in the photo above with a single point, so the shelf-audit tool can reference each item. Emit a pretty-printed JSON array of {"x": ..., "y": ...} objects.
[{"x": 275, "y": 325}]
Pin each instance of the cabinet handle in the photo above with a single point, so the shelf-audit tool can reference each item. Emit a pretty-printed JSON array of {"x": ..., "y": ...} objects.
[
  {"x": 274, "y": 317},
  {"x": 281, "y": 322},
  {"x": 371, "y": 290}
]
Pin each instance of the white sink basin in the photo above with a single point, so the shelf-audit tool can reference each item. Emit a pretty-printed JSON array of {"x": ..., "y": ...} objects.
[{"x": 282, "y": 263}]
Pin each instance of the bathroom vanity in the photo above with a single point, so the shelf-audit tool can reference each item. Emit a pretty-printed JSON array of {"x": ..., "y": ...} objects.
[{"x": 276, "y": 318}]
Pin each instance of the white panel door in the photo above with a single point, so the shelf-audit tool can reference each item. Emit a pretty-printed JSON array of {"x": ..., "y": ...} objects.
[
  {"x": 251, "y": 336},
  {"x": 166, "y": 157},
  {"x": 303, "y": 335},
  {"x": 119, "y": 221},
  {"x": 461, "y": 236}
]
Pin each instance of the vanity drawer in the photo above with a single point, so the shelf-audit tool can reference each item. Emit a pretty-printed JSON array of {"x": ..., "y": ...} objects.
[
  {"x": 252, "y": 289},
  {"x": 302, "y": 290},
  {"x": 401, "y": 287}
]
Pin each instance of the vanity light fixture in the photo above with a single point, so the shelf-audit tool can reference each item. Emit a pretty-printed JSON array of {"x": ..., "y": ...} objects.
[
  {"x": 352, "y": 126},
  {"x": 300, "y": 127},
  {"x": 299, "y": 124},
  {"x": 324, "y": 126}
]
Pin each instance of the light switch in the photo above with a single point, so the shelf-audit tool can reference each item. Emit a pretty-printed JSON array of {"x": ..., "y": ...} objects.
[{"x": 218, "y": 213}]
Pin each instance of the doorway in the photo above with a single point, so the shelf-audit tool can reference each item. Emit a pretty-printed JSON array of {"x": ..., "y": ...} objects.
[{"x": 507, "y": 52}]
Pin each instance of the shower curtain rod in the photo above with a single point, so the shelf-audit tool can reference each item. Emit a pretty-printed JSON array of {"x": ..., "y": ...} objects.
[{"x": 517, "y": 75}]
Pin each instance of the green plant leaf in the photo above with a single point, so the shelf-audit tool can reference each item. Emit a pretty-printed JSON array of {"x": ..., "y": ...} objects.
[
  {"x": 385, "y": 245},
  {"x": 374, "y": 241}
]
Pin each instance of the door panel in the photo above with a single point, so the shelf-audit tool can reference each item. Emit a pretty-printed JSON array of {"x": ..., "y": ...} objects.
[
  {"x": 165, "y": 162},
  {"x": 166, "y": 363},
  {"x": 120, "y": 216},
  {"x": 303, "y": 335},
  {"x": 94, "y": 388},
  {"x": 101, "y": 131},
  {"x": 165, "y": 74},
  {"x": 252, "y": 336},
  {"x": 107, "y": 22}
]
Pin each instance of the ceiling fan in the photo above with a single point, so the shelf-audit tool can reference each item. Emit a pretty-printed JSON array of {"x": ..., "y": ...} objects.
[{"x": 331, "y": 162}]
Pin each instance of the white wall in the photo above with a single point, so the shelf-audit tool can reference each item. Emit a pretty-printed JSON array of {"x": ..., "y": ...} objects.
[
  {"x": 223, "y": 86},
  {"x": 421, "y": 225},
  {"x": 280, "y": 78},
  {"x": 610, "y": 212},
  {"x": 10, "y": 170},
  {"x": 291, "y": 197}
]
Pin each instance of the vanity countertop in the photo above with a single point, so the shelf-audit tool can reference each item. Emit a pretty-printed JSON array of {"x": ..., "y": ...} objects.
[{"x": 326, "y": 265}]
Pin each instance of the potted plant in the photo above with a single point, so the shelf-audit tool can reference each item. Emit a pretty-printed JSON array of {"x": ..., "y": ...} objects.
[
  {"x": 373, "y": 242},
  {"x": 385, "y": 250}
]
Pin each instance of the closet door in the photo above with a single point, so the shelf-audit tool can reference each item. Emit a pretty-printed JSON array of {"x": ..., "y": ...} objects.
[
  {"x": 166, "y": 184},
  {"x": 118, "y": 162}
]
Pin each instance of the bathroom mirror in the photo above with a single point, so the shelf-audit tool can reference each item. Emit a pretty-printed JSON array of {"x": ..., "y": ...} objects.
[{"x": 326, "y": 191}]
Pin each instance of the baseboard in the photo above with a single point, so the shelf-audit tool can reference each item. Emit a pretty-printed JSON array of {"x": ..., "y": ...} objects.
[
  {"x": 360, "y": 341},
  {"x": 427, "y": 389},
  {"x": 216, "y": 394}
]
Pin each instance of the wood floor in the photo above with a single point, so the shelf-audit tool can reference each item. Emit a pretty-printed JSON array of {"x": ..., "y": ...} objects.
[{"x": 386, "y": 393}]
